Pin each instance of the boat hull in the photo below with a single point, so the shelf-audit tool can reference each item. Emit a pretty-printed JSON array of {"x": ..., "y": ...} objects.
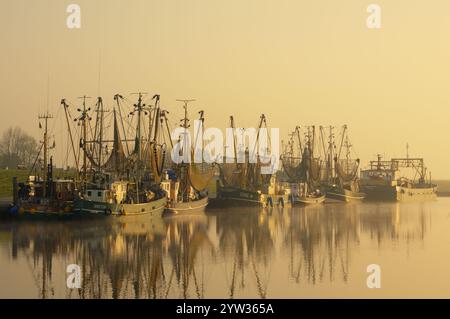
[
  {"x": 230, "y": 196},
  {"x": 236, "y": 197},
  {"x": 399, "y": 193},
  {"x": 154, "y": 208},
  {"x": 344, "y": 195},
  {"x": 191, "y": 207},
  {"x": 380, "y": 193},
  {"x": 405, "y": 194},
  {"x": 309, "y": 200},
  {"x": 42, "y": 209}
]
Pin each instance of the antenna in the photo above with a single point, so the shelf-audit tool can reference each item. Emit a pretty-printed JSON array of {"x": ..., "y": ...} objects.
[
  {"x": 99, "y": 70},
  {"x": 45, "y": 116}
]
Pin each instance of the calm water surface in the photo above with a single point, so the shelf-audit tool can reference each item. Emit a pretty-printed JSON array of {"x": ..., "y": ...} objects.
[{"x": 318, "y": 251}]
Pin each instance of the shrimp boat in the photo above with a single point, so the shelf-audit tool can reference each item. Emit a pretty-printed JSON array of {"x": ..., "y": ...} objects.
[
  {"x": 123, "y": 185},
  {"x": 303, "y": 172},
  {"x": 244, "y": 184},
  {"x": 185, "y": 184},
  {"x": 383, "y": 180},
  {"x": 41, "y": 195},
  {"x": 340, "y": 175}
]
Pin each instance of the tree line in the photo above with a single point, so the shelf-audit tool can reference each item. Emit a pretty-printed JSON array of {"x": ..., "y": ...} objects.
[{"x": 17, "y": 148}]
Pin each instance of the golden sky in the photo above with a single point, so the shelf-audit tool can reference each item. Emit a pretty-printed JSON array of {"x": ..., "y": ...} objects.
[{"x": 299, "y": 62}]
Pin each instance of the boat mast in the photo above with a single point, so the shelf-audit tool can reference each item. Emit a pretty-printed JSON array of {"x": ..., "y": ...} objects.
[
  {"x": 407, "y": 150},
  {"x": 183, "y": 169},
  {"x": 298, "y": 130},
  {"x": 322, "y": 140},
  {"x": 185, "y": 121},
  {"x": 234, "y": 138},
  {"x": 164, "y": 117},
  {"x": 344, "y": 131},
  {"x": 347, "y": 155},
  {"x": 154, "y": 120},
  {"x": 330, "y": 153},
  {"x": 66, "y": 106},
  {"x": 308, "y": 139},
  {"x": 100, "y": 111},
  {"x": 291, "y": 146},
  {"x": 139, "y": 107},
  {"x": 45, "y": 117},
  {"x": 261, "y": 122},
  {"x": 118, "y": 97},
  {"x": 84, "y": 118}
]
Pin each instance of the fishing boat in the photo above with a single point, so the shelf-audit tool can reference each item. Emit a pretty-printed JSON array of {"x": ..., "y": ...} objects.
[
  {"x": 340, "y": 176},
  {"x": 122, "y": 185},
  {"x": 243, "y": 184},
  {"x": 303, "y": 170},
  {"x": 42, "y": 195},
  {"x": 384, "y": 180},
  {"x": 121, "y": 199},
  {"x": 185, "y": 183}
]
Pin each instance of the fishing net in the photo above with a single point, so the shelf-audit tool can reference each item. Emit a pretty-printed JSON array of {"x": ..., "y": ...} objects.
[
  {"x": 200, "y": 175},
  {"x": 117, "y": 160},
  {"x": 291, "y": 166},
  {"x": 227, "y": 173},
  {"x": 315, "y": 170},
  {"x": 157, "y": 158},
  {"x": 232, "y": 174},
  {"x": 347, "y": 170}
]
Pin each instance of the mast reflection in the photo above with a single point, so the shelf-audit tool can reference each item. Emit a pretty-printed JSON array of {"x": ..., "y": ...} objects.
[{"x": 234, "y": 253}]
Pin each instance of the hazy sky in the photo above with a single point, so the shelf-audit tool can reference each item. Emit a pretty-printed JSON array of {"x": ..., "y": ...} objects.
[{"x": 299, "y": 62}]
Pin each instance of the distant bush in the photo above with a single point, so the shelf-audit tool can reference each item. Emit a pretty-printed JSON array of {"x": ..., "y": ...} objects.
[{"x": 17, "y": 149}]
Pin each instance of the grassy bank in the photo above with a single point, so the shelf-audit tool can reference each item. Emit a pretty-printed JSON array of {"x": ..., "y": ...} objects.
[{"x": 6, "y": 177}]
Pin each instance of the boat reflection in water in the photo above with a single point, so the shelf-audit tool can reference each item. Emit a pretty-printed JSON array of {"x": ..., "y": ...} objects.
[{"x": 260, "y": 253}]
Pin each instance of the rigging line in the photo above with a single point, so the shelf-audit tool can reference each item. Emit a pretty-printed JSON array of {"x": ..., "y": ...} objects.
[
  {"x": 99, "y": 40},
  {"x": 48, "y": 83},
  {"x": 52, "y": 127},
  {"x": 198, "y": 133},
  {"x": 37, "y": 158},
  {"x": 66, "y": 161},
  {"x": 99, "y": 71}
]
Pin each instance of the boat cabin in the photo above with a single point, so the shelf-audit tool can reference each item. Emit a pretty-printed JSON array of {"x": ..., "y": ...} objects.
[
  {"x": 33, "y": 188},
  {"x": 380, "y": 173},
  {"x": 379, "y": 177},
  {"x": 97, "y": 195},
  {"x": 119, "y": 190},
  {"x": 171, "y": 187},
  {"x": 64, "y": 189},
  {"x": 116, "y": 194}
]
